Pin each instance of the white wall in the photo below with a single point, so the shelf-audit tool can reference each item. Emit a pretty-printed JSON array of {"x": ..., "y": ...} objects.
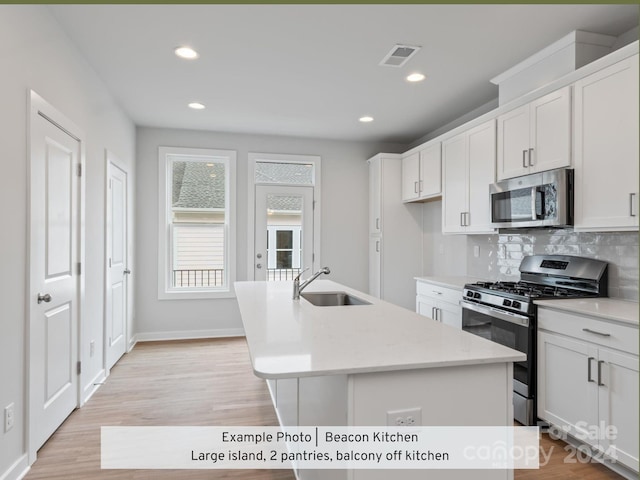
[
  {"x": 36, "y": 54},
  {"x": 344, "y": 223}
]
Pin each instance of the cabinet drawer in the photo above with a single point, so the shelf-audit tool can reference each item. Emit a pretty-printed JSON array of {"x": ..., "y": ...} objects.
[
  {"x": 450, "y": 295},
  {"x": 590, "y": 329}
]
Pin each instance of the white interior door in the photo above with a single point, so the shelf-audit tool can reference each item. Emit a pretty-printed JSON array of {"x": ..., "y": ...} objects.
[
  {"x": 116, "y": 304},
  {"x": 283, "y": 231},
  {"x": 54, "y": 278}
]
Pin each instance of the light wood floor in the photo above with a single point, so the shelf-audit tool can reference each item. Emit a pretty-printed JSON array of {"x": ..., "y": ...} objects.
[{"x": 203, "y": 382}]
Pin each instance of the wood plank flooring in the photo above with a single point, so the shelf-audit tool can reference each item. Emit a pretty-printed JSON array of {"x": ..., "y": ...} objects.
[{"x": 199, "y": 382}]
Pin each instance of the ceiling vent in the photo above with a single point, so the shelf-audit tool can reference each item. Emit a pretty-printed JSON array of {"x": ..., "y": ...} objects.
[{"x": 399, "y": 55}]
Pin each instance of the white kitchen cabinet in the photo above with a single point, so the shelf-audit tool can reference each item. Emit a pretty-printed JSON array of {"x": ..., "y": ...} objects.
[
  {"x": 395, "y": 234},
  {"x": 586, "y": 385},
  {"x": 606, "y": 148},
  {"x": 468, "y": 161},
  {"x": 536, "y": 136},
  {"x": 421, "y": 174},
  {"x": 439, "y": 303}
]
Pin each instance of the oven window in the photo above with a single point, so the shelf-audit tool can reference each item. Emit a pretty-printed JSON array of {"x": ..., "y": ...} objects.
[{"x": 502, "y": 332}]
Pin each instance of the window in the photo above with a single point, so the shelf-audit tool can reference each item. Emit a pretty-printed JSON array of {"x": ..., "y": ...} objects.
[{"x": 197, "y": 227}]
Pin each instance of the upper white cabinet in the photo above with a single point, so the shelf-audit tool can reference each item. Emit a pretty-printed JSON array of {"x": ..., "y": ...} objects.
[
  {"x": 468, "y": 162},
  {"x": 606, "y": 148},
  {"x": 421, "y": 174},
  {"x": 536, "y": 136}
]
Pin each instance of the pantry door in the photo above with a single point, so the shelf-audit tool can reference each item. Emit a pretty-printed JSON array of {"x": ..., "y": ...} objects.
[
  {"x": 118, "y": 272},
  {"x": 55, "y": 270}
]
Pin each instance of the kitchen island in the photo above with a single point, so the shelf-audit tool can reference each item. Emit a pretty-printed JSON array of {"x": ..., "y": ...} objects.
[{"x": 371, "y": 365}]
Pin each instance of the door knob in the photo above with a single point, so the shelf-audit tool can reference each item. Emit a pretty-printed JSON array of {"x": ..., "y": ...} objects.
[
  {"x": 259, "y": 265},
  {"x": 44, "y": 298},
  {"x": 259, "y": 255},
  {"x": 127, "y": 272}
]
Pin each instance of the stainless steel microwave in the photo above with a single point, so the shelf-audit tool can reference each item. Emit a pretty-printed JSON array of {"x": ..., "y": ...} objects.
[{"x": 542, "y": 199}]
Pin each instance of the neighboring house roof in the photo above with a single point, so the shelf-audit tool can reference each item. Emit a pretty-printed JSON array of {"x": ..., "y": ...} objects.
[
  {"x": 198, "y": 185},
  {"x": 285, "y": 173}
]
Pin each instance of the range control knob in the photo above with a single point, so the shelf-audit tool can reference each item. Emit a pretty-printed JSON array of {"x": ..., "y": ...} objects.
[
  {"x": 469, "y": 294},
  {"x": 515, "y": 304},
  {"x": 506, "y": 302},
  {"x": 476, "y": 295}
]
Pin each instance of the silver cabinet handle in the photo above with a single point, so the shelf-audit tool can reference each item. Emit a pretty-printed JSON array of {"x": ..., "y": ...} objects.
[
  {"x": 462, "y": 219},
  {"x": 595, "y": 332},
  {"x": 467, "y": 222},
  {"x": 530, "y": 157},
  {"x": 589, "y": 379},
  {"x": 127, "y": 272},
  {"x": 436, "y": 292},
  {"x": 377, "y": 245},
  {"x": 259, "y": 265},
  {"x": 420, "y": 186},
  {"x": 377, "y": 223},
  {"x": 46, "y": 298},
  {"x": 600, "y": 384},
  {"x": 438, "y": 315},
  {"x": 524, "y": 159},
  {"x": 433, "y": 313},
  {"x": 415, "y": 187},
  {"x": 631, "y": 213}
]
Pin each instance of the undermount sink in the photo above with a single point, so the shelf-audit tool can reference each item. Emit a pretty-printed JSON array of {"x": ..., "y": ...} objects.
[{"x": 332, "y": 299}]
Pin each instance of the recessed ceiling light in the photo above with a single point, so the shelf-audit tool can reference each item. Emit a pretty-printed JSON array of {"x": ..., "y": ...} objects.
[
  {"x": 366, "y": 119},
  {"x": 415, "y": 77},
  {"x": 186, "y": 52},
  {"x": 196, "y": 106}
]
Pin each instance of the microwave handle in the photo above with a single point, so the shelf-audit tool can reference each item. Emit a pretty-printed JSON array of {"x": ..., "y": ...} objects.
[{"x": 535, "y": 193}]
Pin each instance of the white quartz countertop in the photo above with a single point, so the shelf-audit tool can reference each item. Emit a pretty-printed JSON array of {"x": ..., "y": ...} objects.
[
  {"x": 456, "y": 282},
  {"x": 608, "y": 308},
  {"x": 293, "y": 338}
]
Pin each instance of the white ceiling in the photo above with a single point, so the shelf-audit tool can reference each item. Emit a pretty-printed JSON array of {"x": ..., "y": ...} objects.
[{"x": 312, "y": 70}]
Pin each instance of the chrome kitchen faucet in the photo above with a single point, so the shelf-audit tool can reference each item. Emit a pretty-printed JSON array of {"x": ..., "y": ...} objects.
[{"x": 298, "y": 287}]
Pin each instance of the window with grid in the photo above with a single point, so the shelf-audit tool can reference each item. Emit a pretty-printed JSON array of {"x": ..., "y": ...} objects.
[{"x": 196, "y": 235}]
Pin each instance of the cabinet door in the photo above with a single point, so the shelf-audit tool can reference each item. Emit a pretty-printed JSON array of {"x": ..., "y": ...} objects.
[
  {"x": 618, "y": 406},
  {"x": 455, "y": 187},
  {"x": 567, "y": 383},
  {"x": 550, "y": 131},
  {"x": 375, "y": 266},
  {"x": 513, "y": 143},
  {"x": 430, "y": 172},
  {"x": 411, "y": 177},
  {"x": 482, "y": 167},
  {"x": 606, "y": 148},
  {"x": 375, "y": 195},
  {"x": 425, "y": 306},
  {"x": 450, "y": 314}
]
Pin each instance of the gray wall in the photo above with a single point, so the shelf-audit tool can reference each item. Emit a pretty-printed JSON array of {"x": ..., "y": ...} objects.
[
  {"x": 37, "y": 55},
  {"x": 344, "y": 223}
]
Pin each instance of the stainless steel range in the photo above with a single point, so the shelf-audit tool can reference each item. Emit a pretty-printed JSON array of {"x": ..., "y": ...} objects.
[{"x": 505, "y": 312}]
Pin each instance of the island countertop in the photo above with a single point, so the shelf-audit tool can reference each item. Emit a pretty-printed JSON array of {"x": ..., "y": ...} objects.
[{"x": 293, "y": 338}]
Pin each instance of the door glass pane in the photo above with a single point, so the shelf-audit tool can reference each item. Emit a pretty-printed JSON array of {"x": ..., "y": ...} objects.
[{"x": 284, "y": 232}]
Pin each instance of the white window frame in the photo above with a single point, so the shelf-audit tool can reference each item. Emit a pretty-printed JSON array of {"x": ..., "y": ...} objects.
[
  {"x": 253, "y": 158},
  {"x": 165, "y": 290}
]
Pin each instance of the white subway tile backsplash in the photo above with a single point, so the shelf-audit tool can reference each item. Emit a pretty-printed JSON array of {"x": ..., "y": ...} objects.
[{"x": 500, "y": 254}]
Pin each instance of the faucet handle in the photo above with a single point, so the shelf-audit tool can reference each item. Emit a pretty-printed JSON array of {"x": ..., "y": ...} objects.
[{"x": 297, "y": 279}]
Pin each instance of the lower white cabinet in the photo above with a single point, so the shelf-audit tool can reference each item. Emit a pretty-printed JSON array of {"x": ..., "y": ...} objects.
[
  {"x": 587, "y": 388},
  {"x": 439, "y": 303}
]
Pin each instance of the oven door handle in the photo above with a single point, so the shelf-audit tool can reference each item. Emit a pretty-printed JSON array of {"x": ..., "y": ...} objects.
[{"x": 494, "y": 312}]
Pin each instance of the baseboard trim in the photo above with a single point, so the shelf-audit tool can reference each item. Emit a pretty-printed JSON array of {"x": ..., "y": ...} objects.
[
  {"x": 18, "y": 470},
  {"x": 188, "y": 334},
  {"x": 94, "y": 384}
]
